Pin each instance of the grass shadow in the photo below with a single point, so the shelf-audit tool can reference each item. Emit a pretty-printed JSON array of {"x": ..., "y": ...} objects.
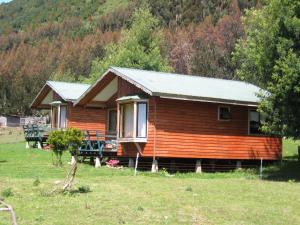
[
  {"x": 288, "y": 170},
  {"x": 3, "y": 161}
]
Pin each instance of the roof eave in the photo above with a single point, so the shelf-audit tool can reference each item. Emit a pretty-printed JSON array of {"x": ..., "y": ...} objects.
[
  {"x": 116, "y": 72},
  {"x": 206, "y": 99}
]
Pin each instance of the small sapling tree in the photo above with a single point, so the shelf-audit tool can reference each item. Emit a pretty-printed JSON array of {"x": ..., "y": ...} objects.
[
  {"x": 73, "y": 137},
  {"x": 58, "y": 144}
]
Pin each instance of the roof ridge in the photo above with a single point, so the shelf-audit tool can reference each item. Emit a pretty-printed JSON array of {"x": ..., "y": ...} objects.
[
  {"x": 64, "y": 82},
  {"x": 183, "y": 75}
]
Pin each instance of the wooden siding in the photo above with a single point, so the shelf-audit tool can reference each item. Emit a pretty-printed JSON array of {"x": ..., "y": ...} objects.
[
  {"x": 87, "y": 118},
  {"x": 192, "y": 130}
]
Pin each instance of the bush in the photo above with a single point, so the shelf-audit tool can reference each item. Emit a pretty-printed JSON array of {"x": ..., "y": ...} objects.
[
  {"x": 36, "y": 182},
  {"x": 58, "y": 144},
  {"x": 7, "y": 193},
  {"x": 60, "y": 141},
  {"x": 84, "y": 189}
]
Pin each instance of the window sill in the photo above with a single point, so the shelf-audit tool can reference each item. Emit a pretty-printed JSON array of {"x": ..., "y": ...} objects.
[{"x": 129, "y": 140}]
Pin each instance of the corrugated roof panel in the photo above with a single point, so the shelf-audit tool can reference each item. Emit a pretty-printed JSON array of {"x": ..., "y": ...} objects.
[
  {"x": 68, "y": 91},
  {"x": 170, "y": 84}
]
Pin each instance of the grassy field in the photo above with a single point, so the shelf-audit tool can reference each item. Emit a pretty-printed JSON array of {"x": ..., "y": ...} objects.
[
  {"x": 118, "y": 197},
  {"x": 11, "y": 135}
]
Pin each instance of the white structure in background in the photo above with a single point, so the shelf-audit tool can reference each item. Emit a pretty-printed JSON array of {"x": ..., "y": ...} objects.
[
  {"x": 3, "y": 121},
  {"x": 41, "y": 120}
]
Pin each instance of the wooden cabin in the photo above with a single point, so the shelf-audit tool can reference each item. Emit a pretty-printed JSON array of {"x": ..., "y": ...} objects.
[
  {"x": 58, "y": 98},
  {"x": 165, "y": 115}
]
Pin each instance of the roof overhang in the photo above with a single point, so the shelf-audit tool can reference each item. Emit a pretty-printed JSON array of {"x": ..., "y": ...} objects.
[
  {"x": 37, "y": 103},
  {"x": 210, "y": 100},
  {"x": 100, "y": 84}
]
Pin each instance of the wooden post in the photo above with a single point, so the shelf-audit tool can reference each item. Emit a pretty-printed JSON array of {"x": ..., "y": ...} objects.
[
  {"x": 198, "y": 168},
  {"x": 238, "y": 164},
  {"x": 73, "y": 160},
  {"x": 136, "y": 163},
  {"x": 10, "y": 209},
  {"x": 261, "y": 168},
  {"x": 97, "y": 162},
  {"x": 173, "y": 165},
  {"x": 131, "y": 163},
  {"x": 154, "y": 168}
]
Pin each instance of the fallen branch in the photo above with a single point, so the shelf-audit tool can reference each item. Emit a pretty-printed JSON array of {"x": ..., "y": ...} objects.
[{"x": 10, "y": 209}]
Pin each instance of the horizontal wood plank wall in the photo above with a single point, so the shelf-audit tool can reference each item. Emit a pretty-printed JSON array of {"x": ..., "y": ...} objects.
[
  {"x": 87, "y": 118},
  {"x": 192, "y": 130}
]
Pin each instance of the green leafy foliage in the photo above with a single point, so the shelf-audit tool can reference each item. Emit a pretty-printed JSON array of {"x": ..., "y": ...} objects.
[
  {"x": 270, "y": 57},
  {"x": 58, "y": 143},
  {"x": 74, "y": 139},
  {"x": 62, "y": 140},
  {"x": 139, "y": 47}
]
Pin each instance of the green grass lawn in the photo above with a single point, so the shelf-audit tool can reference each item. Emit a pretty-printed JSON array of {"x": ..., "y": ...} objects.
[{"x": 118, "y": 197}]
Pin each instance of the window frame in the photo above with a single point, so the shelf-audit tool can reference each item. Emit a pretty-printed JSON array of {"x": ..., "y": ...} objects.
[
  {"x": 108, "y": 120},
  {"x": 249, "y": 130},
  {"x": 120, "y": 122},
  {"x": 56, "y": 112},
  {"x": 219, "y": 109}
]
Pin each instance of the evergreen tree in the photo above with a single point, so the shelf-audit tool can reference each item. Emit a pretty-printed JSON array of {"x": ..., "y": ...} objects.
[
  {"x": 270, "y": 58},
  {"x": 139, "y": 48}
]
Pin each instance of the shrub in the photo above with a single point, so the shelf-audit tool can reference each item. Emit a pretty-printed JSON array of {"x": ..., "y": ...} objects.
[
  {"x": 36, "y": 182},
  {"x": 84, "y": 189},
  {"x": 73, "y": 138},
  {"x": 7, "y": 192},
  {"x": 60, "y": 141},
  {"x": 58, "y": 144}
]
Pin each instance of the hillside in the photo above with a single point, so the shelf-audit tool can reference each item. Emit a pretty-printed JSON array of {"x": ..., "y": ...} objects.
[
  {"x": 19, "y": 14},
  {"x": 60, "y": 39}
]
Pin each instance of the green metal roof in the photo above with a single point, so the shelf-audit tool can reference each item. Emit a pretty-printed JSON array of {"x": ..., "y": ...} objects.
[
  {"x": 68, "y": 91},
  {"x": 179, "y": 86}
]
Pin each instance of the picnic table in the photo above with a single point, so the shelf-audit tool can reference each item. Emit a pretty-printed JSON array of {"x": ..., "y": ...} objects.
[
  {"x": 36, "y": 134},
  {"x": 94, "y": 144}
]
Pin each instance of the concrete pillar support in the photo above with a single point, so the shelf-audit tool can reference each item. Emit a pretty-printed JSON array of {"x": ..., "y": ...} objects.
[
  {"x": 97, "y": 162},
  {"x": 154, "y": 168},
  {"x": 27, "y": 144},
  {"x": 238, "y": 164},
  {"x": 198, "y": 168},
  {"x": 131, "y": 163}
]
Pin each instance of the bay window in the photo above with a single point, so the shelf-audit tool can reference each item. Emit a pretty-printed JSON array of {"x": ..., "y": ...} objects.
[{"x": 133, "y": 121}]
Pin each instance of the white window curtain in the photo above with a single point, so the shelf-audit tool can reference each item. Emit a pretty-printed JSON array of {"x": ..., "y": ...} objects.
[
  {"x": 141, "y": 120},
  {"x": 63, "y": 116},
  {"x": 128, "y": 115}
]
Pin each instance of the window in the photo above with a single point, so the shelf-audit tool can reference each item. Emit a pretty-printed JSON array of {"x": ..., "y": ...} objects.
[
  {"x": 255, "y": 122},
  {"x": 127, "y": 120},
  {"x": 224, "y": 113},
  {"x": 112, "y": 120},
  {"x": 141, "y": 120},
  {"x": 133, "y": 121},
  {"x": 63, "y": 116},
  {"x": 59, "y": 116}
]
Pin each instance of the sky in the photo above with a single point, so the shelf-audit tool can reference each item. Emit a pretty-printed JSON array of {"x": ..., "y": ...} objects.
[{"x": 1, "y": 1}]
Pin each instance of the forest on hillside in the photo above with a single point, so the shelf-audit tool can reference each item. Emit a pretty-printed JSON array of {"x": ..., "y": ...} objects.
[{"x": 64, "y": 40}]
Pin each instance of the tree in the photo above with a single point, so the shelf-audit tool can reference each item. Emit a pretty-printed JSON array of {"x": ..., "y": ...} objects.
[
  {"x": 270, "y": 58},
  {"x": 139, "y": 47}
]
